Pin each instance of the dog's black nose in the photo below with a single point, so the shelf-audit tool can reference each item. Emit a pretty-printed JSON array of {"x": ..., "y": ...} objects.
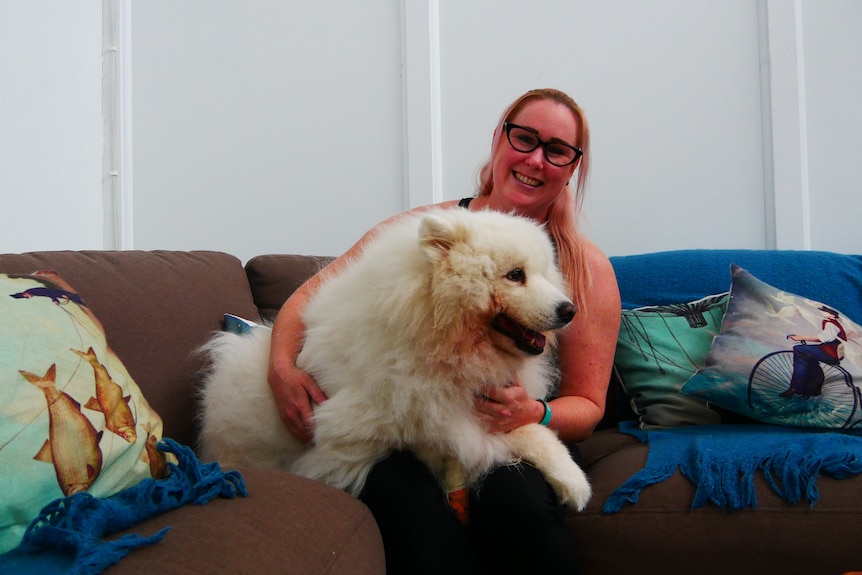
[{"x": 566, "y": 311}]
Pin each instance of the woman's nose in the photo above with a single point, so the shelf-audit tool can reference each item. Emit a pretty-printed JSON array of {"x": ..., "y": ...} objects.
[{"x": 536, "y": 159}]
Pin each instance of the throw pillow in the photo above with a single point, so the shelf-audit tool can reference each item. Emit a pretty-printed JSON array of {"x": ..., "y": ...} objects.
[
  {"x": 72, "y": 419},
  {"x": 784, "y": 359},
  {"x": 658, "y": 349}
]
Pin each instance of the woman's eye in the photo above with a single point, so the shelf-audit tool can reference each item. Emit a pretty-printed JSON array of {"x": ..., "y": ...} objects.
[
  {"x": 527, "y": 140},
  {"x": 558, "y": 151}
]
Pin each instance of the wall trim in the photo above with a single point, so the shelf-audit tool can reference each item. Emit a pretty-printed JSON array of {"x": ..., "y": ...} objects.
[
  {"x": 420, "y": 74},
  {"x": 785, "y": 126},
  {"x": 118, "y": 202}
]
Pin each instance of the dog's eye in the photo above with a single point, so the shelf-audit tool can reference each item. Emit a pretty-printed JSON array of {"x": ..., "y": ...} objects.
[{"x": 517, "y": 275}]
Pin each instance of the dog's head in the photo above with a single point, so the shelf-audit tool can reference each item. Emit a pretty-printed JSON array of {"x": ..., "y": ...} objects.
[{"x": 498, "y": 273}]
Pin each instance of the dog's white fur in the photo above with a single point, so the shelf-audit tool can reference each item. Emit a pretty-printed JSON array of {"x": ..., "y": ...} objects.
[{"x": 401, "y": 341}]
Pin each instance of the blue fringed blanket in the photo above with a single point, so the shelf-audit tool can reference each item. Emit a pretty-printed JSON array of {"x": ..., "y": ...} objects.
[
  {"x": 722, "y": 460},
  {"x": 67, "y": 537}
]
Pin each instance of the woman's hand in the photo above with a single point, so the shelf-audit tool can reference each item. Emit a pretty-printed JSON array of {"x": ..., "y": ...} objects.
[
  {"x": 294, "y": 391},
  {"x": 507, "y": 408}
]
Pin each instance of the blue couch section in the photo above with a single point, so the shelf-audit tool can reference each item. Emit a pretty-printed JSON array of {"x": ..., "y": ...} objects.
[
  {"x": 661, "y": 532},
  {"x": 681, "y": 276}
]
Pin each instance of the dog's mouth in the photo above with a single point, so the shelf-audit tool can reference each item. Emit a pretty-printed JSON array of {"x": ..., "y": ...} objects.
[{"x": 526, "y": 339}]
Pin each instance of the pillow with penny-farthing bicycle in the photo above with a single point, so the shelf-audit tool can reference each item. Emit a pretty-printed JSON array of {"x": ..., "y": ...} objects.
[{"x": 783, "y": 359}]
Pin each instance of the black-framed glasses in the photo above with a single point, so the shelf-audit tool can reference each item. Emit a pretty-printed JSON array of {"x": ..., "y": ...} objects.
[{"x": 525, "y": 140}]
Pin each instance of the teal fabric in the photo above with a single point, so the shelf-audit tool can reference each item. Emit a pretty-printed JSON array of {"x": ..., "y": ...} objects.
[
  {"x": 69, "y": 536},
  {"x": 722, "y": 461},
  {"x": 758, "y": 320},
  {"x": 658, "y": 349}
]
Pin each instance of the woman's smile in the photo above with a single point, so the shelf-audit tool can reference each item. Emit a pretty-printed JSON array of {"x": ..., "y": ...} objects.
[{"x": 527, "y": 180}]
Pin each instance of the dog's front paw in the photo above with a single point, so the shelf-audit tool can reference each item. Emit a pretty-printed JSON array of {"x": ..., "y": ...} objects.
[
  {"x": 572, "y": 488},
  {"x": 541, "y": 447}
]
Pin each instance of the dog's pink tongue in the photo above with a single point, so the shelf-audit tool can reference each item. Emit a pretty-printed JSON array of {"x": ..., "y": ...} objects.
[
  {"x": 534, "y": 338},
  {"x": 526, "y": 339}
]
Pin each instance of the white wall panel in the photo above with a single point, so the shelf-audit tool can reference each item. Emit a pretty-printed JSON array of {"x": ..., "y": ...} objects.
[
  {"x": 272, "y": 126},
  {"x": 50, "y": 125},
  {"x": 265, "y": 127},
  {"x": 671, "y": 89},
  {"x": 833, "y": 64}
]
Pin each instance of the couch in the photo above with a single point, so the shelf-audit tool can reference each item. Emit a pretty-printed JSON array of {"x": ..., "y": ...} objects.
[
  {"x": 661, "y": 533},
  {"x": 158, "y": 307}
]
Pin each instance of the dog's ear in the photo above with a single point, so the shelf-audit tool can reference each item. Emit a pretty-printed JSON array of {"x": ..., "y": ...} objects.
[{"x": 436, "y": 236}]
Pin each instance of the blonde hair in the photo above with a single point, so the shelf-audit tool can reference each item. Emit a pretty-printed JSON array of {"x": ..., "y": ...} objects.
[{"x": 563, "y": 213}]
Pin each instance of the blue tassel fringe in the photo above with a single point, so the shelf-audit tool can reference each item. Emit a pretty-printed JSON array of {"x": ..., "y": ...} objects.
[
  {"x": 723, "y": 460},
  {"x": 68, "y": 535}
]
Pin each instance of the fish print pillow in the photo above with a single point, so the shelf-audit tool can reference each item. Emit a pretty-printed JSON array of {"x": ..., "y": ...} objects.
[{"x": 71, "y": 417}]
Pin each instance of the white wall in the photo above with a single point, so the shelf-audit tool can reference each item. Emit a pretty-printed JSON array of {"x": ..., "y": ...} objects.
[
  {"x": 673, "y": 106},
  {"x": 51, "y": 131},
  {"x": 281, "y": 127},
  {"x": 270, "y": 129},
  {"x": 833, "y": 86}
]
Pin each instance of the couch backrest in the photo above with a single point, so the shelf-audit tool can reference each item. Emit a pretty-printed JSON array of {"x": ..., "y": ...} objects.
[
  {"x": 157, "y": 308},
  {"x": 658, "y": 278},
  {"x": 671, "y": 277},
  {"x": 273, "y": 278}
]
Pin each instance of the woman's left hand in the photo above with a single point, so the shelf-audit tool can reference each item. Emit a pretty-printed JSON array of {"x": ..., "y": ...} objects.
[{"x": 503, "y": 409}]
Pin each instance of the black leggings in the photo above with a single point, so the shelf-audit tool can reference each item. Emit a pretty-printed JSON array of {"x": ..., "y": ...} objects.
[{"x": 516, "y": 523}]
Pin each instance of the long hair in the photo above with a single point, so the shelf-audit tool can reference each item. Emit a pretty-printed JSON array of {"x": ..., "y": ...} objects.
[{"x": 564, "y": 212}]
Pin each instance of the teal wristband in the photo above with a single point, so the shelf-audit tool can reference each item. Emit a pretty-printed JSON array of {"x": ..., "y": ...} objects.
[{"x": 547, "y": 418}]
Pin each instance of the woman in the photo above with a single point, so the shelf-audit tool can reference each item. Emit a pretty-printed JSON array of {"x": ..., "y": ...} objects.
[
  {"x": 808, "y": 378},
  {"x": 515, "y": 523}
]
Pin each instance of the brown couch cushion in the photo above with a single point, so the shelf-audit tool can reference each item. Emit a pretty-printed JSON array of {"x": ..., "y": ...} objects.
[
  {"x": 273, "y": 278},
  {"x": 156, "y": 308},
  {"x": 661, "y": 533},
  {"x": 316, "y": 529}
]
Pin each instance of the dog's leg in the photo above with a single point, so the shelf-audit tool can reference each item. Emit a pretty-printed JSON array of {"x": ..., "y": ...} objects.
[
  {"x": 541, "y": 447},
  {"x": 344, "y": 466}
]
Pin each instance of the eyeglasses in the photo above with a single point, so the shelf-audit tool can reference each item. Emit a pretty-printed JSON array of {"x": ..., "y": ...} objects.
[{"x": 525, "y": 140}]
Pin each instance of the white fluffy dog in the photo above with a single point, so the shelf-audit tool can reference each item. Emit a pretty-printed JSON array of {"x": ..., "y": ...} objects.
[{"x": 438, "y": 308}]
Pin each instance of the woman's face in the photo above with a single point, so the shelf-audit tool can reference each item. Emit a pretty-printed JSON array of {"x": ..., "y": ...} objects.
[{"x": 526, "y": 182}]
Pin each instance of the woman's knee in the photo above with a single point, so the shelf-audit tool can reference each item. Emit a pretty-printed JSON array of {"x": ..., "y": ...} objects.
[
  {"x": 519, "y": 486},
  {"x": 514, "y": 490}
]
